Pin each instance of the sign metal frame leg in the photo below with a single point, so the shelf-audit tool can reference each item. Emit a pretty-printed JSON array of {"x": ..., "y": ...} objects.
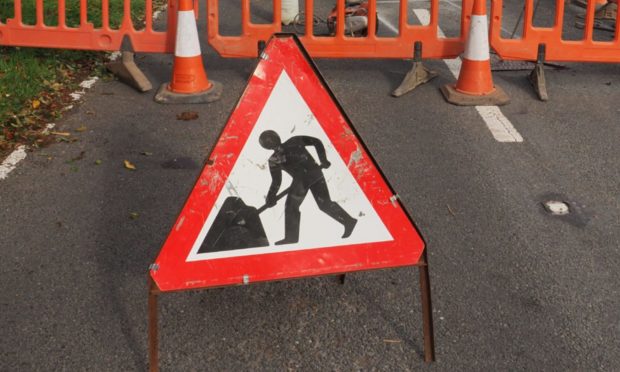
[
  {"x": 153, "y": 327},
  {"x": 427, "y": 316},
  {"x": 427, "y": 310}
]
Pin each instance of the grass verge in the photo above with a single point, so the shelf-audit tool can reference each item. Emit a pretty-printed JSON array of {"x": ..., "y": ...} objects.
[{"x": 35, "y": 84}]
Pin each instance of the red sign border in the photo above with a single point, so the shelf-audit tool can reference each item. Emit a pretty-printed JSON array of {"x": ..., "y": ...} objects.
[{"x": 171, "y": 272}]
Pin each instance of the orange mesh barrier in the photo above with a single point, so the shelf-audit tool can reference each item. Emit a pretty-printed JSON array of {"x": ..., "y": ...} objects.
[
  {"x": 51, "y": 27},
  {"x": 556, "y": 47},
  {"x": 340, "y": 45}
]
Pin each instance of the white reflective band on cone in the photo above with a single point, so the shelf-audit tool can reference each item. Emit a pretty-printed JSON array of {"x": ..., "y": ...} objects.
[
  {"x": 290, "y": 9},
  {"x": 477, "y": 46},
  {"x": 187, "y": 44}
]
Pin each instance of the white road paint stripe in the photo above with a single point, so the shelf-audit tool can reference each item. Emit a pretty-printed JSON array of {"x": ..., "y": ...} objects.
[
  {"x": 11, "y": 161},
  {"x": 48, "y": 127},
  {"x": 501, "y": 128},
  {"x": 86, "y": 84},
  {"x": 387, "y": 24}
]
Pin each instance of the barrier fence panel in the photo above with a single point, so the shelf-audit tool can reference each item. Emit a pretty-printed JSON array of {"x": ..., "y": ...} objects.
[
  {"x": 56, "y": 24},
  {"x": 341, "y": 45},
  {"x": 556, "y": 47}
]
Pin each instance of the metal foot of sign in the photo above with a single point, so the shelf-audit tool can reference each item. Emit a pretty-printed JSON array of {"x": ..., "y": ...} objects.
[
  {"x": 153, "y": 327},
  {"x": 425, "y": 296},
  {"x": 289, "y": 191}
]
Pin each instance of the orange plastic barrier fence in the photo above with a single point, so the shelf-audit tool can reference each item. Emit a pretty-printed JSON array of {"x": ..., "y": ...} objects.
[
  {"x": 57, "y": 32},
  {"x": 556, "y": 47},
  {"x": 340, "y": 45}
]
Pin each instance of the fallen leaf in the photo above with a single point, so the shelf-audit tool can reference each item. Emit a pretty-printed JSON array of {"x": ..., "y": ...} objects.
[
  {"x": 128, "y": 165},
  {"x": 81, "y": 129},
  {"x": 146, "y": 153},
  {"x": 450, "y": 210},
  {"x": 134, "y": 215},
  {"x": 64, "y": 134},
  {"x": 79, "y": 157},
  {"x": 98, "y": 162},
  {"x": 36, "y": 103},
  {"x": 187, "y": 115}
]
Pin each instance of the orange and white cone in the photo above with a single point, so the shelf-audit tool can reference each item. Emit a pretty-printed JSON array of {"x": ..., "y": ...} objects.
[
  {"x": 189, "y": 82},
  {"x": 475, "y": 84}
]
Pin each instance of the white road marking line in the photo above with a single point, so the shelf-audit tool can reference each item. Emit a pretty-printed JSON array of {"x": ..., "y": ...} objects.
[
  {"x": 48, "y": 127},
  {"x": 11, "y": 161},
  {"x": 387, "y": 24},
  {"x": 86, "y": 84},
  {"x": 501, "y": 128}
]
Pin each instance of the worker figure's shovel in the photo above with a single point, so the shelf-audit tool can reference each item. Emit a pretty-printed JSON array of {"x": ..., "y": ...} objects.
[{"x": 237, "y": 226}]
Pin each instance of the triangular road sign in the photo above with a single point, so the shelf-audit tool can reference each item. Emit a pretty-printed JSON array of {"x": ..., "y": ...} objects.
[{"x": 289, "y": 190}]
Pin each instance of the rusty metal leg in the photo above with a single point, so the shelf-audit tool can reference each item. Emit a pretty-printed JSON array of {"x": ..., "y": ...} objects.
[
  {"x": 153, "y": 338},
  {"x": 342, "y": 278},
  {"x": 427, "y": 310}
]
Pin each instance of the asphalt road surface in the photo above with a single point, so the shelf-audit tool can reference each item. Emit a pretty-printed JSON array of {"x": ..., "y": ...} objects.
[{"x": 514, "y": 288}]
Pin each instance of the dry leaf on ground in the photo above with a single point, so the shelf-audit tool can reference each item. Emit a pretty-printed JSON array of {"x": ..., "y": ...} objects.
[
  {"x": 128, "y": 165},
  {"x": 187, "y": 115}
]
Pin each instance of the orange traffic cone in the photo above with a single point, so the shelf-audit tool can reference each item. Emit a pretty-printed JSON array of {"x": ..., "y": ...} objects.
[
  {"x": 189, "y": 80},
  {"x": 475, "y": 84}
]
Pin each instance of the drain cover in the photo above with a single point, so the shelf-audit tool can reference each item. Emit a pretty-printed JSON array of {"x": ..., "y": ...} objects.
[{"x": 556, "y": 207}]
